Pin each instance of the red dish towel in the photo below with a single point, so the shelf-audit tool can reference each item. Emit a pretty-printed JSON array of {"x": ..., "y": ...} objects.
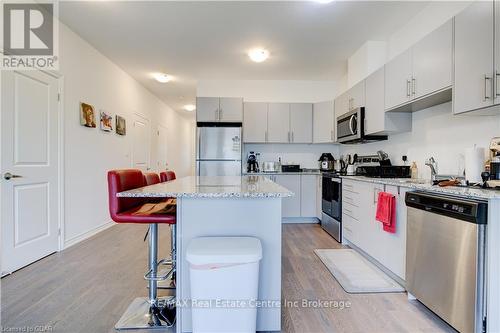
[{"x": 386, "y": 211}]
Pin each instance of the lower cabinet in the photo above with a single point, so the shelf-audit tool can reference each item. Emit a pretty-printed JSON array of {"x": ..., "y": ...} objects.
[
  {"x": 290, "y": 207},
  {"x": 305, "y": 202},
  {"x": 359, "y": 200}
]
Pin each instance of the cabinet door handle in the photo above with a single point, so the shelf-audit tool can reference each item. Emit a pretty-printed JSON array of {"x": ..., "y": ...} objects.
[
  {"x": 288, "y": 136},
  {"x": 220, "y": 114},
  {"x": 265, "y": 137},
  {"x": 497, "y": 91},
  {"x": 408, "y": 88},
  {"x": 331, "y": 135},
  {"x": 216, "y": 114},
  {"x": 486, "y": 79},
  {"x": 293, "y": 137},
  {"x": 413, "y": 86}
]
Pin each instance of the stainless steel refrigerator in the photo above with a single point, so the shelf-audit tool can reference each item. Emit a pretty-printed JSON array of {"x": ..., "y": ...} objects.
[{"x": 218, "y": 150}]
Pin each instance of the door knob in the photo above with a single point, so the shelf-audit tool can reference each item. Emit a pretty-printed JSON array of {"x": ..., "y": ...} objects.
[{"x": 8, "y": 176}]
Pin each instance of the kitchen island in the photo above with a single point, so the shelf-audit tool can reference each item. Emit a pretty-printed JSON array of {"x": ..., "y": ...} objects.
[{"x": 227, "y": 206}]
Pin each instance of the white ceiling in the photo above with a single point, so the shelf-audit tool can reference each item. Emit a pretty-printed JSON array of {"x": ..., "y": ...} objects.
[{"x": 209, "y": 40}]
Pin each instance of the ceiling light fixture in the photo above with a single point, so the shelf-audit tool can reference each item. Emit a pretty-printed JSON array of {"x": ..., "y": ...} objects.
[
  {"x": 258, "y": 54},
  {"x": 190, "y": 107},
  {"x": 162, "y": 77},
  {"x": 323, "y": 1}
]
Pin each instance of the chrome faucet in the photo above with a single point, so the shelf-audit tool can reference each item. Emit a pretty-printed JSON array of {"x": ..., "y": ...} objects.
[{"x": 431, "y": 163}]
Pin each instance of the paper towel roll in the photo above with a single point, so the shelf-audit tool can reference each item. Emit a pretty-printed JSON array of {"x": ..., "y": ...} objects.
[{"x": 474, "y": 164}]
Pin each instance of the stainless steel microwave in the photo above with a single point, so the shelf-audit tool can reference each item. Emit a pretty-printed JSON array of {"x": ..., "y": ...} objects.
[{"x": 351, "y": 128}]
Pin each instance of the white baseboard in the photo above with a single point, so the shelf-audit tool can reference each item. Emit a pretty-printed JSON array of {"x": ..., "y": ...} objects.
[
  {"x": 300, "y": 220},
  {"x": 87, "y": 234}
]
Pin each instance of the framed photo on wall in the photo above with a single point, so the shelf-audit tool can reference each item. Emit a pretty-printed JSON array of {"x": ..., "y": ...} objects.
[
  {"x": 106, "y": 121},
  {"x": 87, "y": 115},
  {"x": 121, "y": 125}
]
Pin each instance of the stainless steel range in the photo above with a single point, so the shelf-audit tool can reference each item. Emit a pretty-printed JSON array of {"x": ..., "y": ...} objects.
[{"x": 331, "y": 204}]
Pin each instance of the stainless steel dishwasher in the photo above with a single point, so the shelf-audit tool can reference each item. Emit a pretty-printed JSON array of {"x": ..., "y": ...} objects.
[{"x": 445, "y": 257}]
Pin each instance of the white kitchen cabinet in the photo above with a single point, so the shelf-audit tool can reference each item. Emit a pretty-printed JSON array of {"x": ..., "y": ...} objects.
[
  {"x": 497, "y": 53},
  {"x": 308, "y": 195},
  {"x": 474, "y": 57},
  {"x": 362, "y": 230},
  {"x": 278, "y": 123},
  {"x": 231, "y": 109},
  {"x": 301, "y": 123},
  {"x": 215, "y": 109},
  {"x": 290, "y": 206},
  {"x": 255, "y": 122},
  {"x": 377, "y": 120},
  {"x": 342, "y": 104},
  {"x": 357, "y": 95},
  {"x": 207, "y": 109},
  {"x": 323, "y": 122},
  {"x": 398, "y": 80},
  {"x": 432, "y": 61}
]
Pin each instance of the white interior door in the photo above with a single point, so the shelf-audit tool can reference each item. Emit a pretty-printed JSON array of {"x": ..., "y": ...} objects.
[
  {"x": 162, "y": 148},
  {"x": 140, "y": 143},
  {"x": 29, "y": 167}
]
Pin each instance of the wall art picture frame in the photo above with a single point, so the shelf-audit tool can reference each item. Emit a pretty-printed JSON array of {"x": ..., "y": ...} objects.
[
  {"x": 87, "y": 115},
  {"x": 121, "y": 125},
  {"x": 106, "y": 121}
]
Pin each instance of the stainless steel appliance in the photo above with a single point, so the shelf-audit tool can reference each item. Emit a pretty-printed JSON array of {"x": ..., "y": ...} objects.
[
  {"x": 331, "y": 205},
  {"x": 268, "y": 166},
  {"x": 351, "y": 128},
  {"x": 218, "y": 150},
  {"x": 445, "y": 257},
  {"x": 252, "y": 164},
  {"x": 326, "y": 162}
]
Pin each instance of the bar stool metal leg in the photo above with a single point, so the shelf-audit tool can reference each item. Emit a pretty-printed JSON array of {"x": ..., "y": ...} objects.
[{"x": 153, "y": 311}]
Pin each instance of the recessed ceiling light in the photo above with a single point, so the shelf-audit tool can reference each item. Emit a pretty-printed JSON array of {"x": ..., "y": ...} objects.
[
  {"x": 258, "y": 54},
  {"x": 162, "y": 77},
  {"x": 190, "y": 107},
  {"x": 323, "y": 1}
]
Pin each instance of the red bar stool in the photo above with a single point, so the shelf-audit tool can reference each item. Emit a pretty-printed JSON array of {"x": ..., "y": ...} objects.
[
  {"x": 151, "y": 178},
  {"x": 166, "y": 176},
  {"x": 153, "y": 311}
]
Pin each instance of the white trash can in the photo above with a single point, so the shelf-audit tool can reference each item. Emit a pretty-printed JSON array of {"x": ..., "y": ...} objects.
[{"x": 224, "y": 279}]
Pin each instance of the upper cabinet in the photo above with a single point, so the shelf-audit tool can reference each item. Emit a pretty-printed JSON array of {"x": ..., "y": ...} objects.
[
  {"x": 423, "y": 70},
  {"x": 432, "y": 61},
  {"x": 377, "y": 120},
  {"x": 351, "y": 99},
  {"x": 323, "y": 122},
  {"x": 207, "y": 109},
  {"x": 255, "y": 122},
  {"x": 215, "y": 109},
  {"x": 277, "y": 123},
  {"x": 301, "y": 123},
  {"x": 477, "y": 64},
  {"x": 398, "y": 80}
]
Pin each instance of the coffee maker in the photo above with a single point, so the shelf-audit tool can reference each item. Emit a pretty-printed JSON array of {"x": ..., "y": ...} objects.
[{"x": 252, "y": 164}]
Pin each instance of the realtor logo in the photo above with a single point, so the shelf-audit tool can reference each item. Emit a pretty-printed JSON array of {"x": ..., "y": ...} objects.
[{"x": 29, "y": 36}]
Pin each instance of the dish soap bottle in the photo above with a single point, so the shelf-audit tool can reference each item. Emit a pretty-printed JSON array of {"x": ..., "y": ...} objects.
[{"x": 414, "y": 170}]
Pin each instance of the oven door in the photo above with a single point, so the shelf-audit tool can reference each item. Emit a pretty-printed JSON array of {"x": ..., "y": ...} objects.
[
  {"x": 331, "y": 196},
  {"x": 348, "y": 128}
]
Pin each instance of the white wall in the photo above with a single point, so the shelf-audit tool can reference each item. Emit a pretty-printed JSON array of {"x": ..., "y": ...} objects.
[
  {"x": 269, "y": 91},
  {"x": 306, "y": 155},
  {"x": 90, "y": 153},
  {"x": 435, "y": 132}
]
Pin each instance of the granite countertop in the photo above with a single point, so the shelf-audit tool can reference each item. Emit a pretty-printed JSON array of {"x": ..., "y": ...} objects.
[
  {"x": 254, "y": 186},
  {"x": 425, "y": 185},
  {"x": 308, "y": 172}
]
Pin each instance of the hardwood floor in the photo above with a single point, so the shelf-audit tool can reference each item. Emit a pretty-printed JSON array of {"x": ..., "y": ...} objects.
[{"x": 87, "y": 287}]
